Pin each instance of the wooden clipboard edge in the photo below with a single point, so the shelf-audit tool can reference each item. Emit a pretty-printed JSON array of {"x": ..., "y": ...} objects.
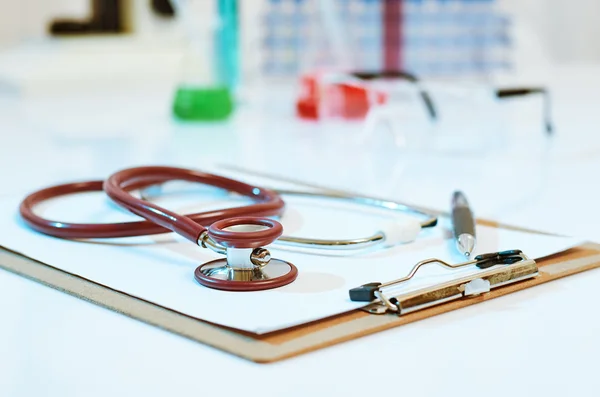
[
  {"x": 278, "y": 345},
  {"x": 167, "y": 319}
]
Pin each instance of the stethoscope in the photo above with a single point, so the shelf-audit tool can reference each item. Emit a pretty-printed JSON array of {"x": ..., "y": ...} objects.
[{"x": 239, "y": 233}]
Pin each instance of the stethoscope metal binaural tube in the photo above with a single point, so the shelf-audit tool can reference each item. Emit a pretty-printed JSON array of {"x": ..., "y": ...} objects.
[
  {"x": 430, "y": 216},
  {"x": 358, "y": 243}
]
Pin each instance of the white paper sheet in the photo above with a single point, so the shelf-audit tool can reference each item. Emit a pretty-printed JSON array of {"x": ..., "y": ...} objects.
[{"x": 160, "y": 268}]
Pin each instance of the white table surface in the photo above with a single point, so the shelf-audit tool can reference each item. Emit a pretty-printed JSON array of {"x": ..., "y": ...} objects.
[{"x": 542, "y": 341}]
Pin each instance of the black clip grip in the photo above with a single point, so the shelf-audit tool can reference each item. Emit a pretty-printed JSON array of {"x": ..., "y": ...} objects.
[
  {"x": 364, "y": 293},
  {"x": 498, "y": 258}
]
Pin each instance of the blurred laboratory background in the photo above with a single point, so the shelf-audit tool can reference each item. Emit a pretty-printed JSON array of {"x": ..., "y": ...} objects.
[
  {"x": 495, "y": 33},
  {"x": 558, "y": 30},
  {"x": 277, "y": 38},
  {"x": 188, "y": 81},
  {"x": 254, "y": 41}
]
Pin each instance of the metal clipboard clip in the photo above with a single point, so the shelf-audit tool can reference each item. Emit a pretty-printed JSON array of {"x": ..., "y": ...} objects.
[{"x": 498, "y": 269}]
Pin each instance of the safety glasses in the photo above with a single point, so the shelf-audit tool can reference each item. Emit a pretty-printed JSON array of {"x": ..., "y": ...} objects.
[
  {"x": 459, "y": 116},
  {"x": 352, "y": 95}
]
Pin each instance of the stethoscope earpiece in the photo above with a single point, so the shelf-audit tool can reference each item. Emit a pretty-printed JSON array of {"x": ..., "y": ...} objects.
[{"x": 402, "y": 232}]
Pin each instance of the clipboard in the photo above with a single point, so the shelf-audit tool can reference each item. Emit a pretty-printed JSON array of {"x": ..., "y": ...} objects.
[{"x": 279, "y": 345}]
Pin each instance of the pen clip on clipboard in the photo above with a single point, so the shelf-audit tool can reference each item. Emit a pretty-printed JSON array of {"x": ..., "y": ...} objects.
[{"x": 498, "y": 269}]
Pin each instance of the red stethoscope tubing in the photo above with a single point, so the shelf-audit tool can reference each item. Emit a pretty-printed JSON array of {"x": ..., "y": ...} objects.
[{"x": 158, "y": 220}]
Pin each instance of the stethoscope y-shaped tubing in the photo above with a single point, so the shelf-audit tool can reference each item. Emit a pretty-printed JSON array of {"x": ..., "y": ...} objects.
[{"x": 268, "y": 203}]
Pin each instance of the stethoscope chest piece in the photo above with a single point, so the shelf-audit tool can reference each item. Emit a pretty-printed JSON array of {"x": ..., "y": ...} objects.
[
  {"x": 248, "y": 266},
  {"x": 219, "y": 274}
]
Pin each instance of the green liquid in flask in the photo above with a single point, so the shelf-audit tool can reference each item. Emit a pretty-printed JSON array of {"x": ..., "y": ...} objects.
[{"x": 202, "y": 103}]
